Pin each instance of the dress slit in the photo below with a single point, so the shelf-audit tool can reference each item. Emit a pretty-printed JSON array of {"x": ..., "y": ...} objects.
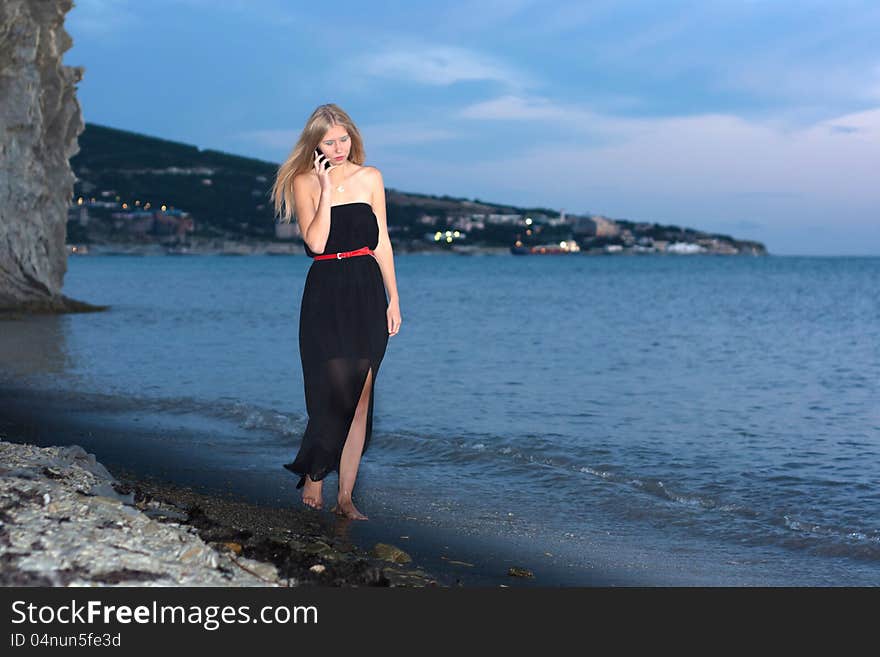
[{"x": 368, "y": 423}]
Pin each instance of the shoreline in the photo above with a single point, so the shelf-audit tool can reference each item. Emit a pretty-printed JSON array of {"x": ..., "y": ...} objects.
[
  {"x": 65, "y": 520},
  {"x": 293, "y": 540},
  {"x": 255, "y": 248},
  {"x": 267, "y": 248},
  {"x": 133, "y": 456}
]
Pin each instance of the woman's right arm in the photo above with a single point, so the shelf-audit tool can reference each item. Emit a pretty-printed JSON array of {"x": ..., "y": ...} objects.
[{"x": 314, "y": 223}]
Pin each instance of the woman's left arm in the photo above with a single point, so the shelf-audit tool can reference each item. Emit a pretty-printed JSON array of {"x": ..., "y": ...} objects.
[{"x": 384, "y": 254}]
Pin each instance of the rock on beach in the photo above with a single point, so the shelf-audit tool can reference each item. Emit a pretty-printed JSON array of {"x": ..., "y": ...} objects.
[
  {"x": 62, "y": 523},
  {"x": 65, "y": 520}
]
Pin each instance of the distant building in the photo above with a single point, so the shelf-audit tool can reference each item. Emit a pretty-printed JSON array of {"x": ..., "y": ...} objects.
[
  {"x": 463, "y": 223},
  {"x": 583, "y": 227},
  {"x": 605, "y": 227},
  {"x": 684, "y": 247},
  {"x": 504, "y": 218}
]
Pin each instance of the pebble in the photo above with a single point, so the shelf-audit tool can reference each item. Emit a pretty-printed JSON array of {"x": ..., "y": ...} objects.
[
  {"x": 56, "y": 531},
  {"x": 66, "y": 521}
]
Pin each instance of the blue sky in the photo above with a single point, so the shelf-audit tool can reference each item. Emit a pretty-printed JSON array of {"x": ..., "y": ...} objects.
[{"x": 760, "y": 119}]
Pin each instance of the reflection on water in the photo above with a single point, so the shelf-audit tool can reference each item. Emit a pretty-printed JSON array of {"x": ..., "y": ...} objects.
[{"x": 34, "y": 345}]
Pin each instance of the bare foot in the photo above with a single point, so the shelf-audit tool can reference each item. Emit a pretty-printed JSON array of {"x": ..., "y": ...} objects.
[
  {"x": 311, "y": 495},
  {"x": 347, "y": 508}
]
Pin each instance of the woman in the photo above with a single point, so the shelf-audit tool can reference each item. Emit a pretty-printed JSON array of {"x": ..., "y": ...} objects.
[{"x": 345, "y": 317}]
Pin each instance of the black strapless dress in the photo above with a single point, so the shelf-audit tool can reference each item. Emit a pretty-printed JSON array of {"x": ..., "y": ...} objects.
[{"x": 343, "y": 333}]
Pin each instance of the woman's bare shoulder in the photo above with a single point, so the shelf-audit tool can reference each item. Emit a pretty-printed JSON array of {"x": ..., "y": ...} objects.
[
  {"x": 308, "y": 182},
  {"x": 306, "y": 185},
  {"x": 307, "y": 178},
  {"x": 372, "y": 173}
]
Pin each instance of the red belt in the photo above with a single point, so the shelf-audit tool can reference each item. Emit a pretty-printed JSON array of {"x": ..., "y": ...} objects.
[{"x": 364, "y": 250}]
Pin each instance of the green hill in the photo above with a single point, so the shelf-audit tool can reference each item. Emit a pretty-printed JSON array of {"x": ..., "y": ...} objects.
[{"x": 123, "y": 177}]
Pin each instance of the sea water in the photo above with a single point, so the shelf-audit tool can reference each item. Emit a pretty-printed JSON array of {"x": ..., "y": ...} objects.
[{"x": 678, "y": 419}]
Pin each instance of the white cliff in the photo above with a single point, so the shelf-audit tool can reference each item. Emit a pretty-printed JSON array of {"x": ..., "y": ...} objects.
[{"x": 40, "y": 120}]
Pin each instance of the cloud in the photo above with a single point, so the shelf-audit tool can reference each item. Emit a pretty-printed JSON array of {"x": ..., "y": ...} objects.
[
  {"x": 380, "y": 134},
  {"x": 519, "y": 108},
  {"x": 845, "y": 129},
  {"x": 791, "y": 81},
  {"x": 692, "y": 159},
  {"x": 403, "y": 134},
  {"x": 810, "y": 60},
  {"x": 650, "y": 40},
  {"x": 436, "y": 66},
  {"x": 576, "y": 118}
]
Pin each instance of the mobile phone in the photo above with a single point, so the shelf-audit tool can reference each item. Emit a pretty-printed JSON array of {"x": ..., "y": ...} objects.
[{"x": 327, "y": 164}]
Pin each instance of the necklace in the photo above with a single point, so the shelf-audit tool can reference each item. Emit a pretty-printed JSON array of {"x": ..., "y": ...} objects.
[{"x": 340, "y": 187}]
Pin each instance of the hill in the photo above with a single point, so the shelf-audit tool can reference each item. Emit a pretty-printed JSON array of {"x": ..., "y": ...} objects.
[{"x": 135, "y": 188}]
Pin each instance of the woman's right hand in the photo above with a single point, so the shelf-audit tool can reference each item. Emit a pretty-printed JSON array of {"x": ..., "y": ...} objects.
[{"x": 322, "y": 171}]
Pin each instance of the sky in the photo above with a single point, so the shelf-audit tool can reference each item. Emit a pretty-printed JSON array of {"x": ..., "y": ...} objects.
[{"x": 758, "y": 119}]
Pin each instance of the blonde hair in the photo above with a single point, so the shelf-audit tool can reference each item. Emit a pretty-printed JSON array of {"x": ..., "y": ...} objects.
[{"x": 302, "y": 157}]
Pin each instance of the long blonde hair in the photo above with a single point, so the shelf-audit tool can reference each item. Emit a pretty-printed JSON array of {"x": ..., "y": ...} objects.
[{"x": 302, "y": 157}]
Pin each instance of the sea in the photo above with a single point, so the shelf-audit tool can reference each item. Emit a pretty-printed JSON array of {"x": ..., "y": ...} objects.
[{"x": 640, "y": 420}]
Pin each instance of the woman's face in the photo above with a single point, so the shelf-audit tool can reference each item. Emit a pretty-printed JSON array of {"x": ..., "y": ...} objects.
[{"x": 336, "y": 144}]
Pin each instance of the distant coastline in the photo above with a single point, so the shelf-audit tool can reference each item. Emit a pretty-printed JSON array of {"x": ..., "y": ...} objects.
[
  {"x": 143, "y": 195},
  {"x": 263, "y": 248}
]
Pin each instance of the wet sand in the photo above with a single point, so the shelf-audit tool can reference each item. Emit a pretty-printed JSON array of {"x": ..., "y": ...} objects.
[{"x": 226, "y": 507}]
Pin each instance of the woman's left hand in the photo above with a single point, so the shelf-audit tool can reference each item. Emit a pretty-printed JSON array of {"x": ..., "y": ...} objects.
[{"x": 393, "y": 315}]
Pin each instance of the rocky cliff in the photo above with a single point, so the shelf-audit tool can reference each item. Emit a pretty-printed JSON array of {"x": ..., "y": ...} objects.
[{"x": 40, "y": 120}]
